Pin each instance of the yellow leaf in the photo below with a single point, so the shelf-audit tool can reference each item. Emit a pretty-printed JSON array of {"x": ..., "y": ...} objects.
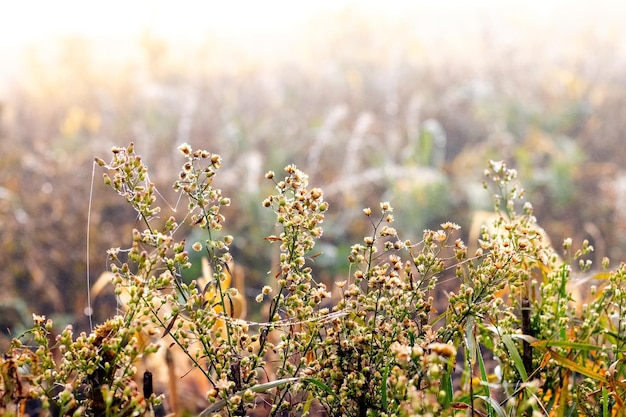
[{"x": 576, "y": 367}]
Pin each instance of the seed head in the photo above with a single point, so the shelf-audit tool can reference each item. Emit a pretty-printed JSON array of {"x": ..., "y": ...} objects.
[{"x": 185, "y": 149}]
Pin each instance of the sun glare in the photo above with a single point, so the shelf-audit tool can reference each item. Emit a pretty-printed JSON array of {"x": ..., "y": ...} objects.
[{"x": 275, "y": 26}]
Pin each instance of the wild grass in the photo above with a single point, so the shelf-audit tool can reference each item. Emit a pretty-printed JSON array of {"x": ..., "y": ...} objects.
[
  {"x": 514, "y": 338},
  {"x": 381, "y": 100}
]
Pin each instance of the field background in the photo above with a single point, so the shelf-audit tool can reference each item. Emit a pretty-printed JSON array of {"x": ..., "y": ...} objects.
[{"x": 397, "y": 101}]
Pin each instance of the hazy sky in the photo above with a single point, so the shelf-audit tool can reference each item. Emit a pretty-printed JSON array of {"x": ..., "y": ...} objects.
[
  {"x": 33, "y": 20},
  {"x": 28, "y": 23}
]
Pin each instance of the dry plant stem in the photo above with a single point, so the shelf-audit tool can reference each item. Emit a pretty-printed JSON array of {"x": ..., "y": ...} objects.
[{"x": 131, "y": 181}]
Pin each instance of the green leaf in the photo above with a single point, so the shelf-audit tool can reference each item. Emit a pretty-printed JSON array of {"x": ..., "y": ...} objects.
[
  {"x": 446, "y": 385},
  {"x": 319, "y": 384},
  {"x": 383, "y": 388},
  {"x": 483, "y": 371},
  {"x": 470, "y": 340},
  {"x": 515, "y": 356}
]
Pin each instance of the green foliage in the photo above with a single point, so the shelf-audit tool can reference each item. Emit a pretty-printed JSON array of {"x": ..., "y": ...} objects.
[{"x": 373, "y": 345}]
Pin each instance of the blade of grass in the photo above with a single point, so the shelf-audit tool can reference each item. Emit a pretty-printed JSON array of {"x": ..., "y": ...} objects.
[
  {"x": 515, "y": 356},
  {"x": 383, "y": 388},
  {"x": 470, "y": 339},
  {"x": 493, "y": 404},
  {"x": 257, "y": 388},
  {"x": 483, "y": 371},
  {"x": 446, "y": 385},
  {"x": 566, "y": 344},
  {"x": 307, "y": 404},
  {"x": 319, "y": 384}
]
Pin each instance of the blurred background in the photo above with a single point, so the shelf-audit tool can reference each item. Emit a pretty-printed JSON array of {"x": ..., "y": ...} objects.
[{"x": 403, "y": 101}]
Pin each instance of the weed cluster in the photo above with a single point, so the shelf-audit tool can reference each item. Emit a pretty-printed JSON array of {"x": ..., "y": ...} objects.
[{"x": 514, "y": 339}]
